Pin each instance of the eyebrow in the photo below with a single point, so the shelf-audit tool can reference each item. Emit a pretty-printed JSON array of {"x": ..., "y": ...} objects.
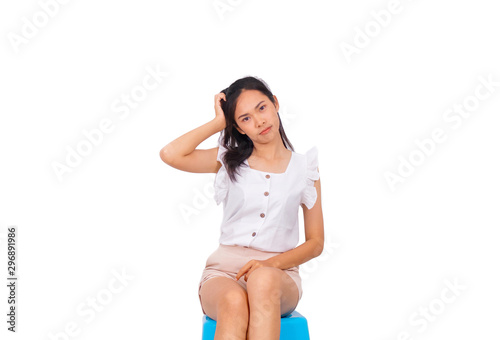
[{"x": 256, "y": 106}]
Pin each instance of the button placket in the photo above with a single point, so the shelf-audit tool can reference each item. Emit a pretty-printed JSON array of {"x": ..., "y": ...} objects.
[{"x": 266, "y": 194}]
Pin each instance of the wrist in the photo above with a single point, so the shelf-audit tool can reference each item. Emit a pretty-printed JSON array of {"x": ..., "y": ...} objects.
[
  {"x": 220, "y": 123},
  {"x": 273, "y": 261}
]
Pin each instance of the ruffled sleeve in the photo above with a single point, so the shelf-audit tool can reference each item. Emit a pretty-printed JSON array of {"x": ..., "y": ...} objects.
[
  {"x": 309, "y": 195},
  {"x": 221, "y": 184}
]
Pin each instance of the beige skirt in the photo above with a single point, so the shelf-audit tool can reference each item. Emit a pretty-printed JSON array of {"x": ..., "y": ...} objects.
[{"x": 227, "y": 261}]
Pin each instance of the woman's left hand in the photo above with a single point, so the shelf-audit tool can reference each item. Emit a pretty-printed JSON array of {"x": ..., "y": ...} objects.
[{"x": 251, "y": 266}]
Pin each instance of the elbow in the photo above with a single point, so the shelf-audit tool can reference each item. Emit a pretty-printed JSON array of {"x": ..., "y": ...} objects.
[
  {"x": 319, "y": 252},
  {"x": 165, "y": 156},
  {"x": 318, "y": 248}
]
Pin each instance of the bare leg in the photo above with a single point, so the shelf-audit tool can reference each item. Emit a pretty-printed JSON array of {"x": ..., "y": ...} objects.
[
  {"x": 271, "y": 293},
  {"x": 226, "y": 301}
]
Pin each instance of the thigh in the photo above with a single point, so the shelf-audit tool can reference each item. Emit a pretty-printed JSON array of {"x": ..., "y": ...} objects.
[{"x": 218, "y": 290}]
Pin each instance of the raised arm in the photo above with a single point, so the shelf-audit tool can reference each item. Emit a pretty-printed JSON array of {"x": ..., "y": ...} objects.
[{"x": 181, "y": 153}]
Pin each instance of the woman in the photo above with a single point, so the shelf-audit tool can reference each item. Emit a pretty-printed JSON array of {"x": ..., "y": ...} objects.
[{"x": 252, "y": 279}]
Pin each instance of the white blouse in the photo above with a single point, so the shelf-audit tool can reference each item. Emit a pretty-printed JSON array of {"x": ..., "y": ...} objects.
[{"x": 261, "y": 208}]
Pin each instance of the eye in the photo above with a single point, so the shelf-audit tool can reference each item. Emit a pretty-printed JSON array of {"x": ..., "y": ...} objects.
[
  {"x": 245, "y": 118},
  {"x": 262, "y": 106}
]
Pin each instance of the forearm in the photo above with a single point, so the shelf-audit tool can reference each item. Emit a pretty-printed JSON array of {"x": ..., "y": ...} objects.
[
  {"x": 188, "y": 142},
  {"x": 294, "y": 257}
]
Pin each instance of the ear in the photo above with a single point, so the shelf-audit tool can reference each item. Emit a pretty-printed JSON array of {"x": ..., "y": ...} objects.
[
  {"x": 239, "y": 130},
  {"x": 277, "y": 103}
]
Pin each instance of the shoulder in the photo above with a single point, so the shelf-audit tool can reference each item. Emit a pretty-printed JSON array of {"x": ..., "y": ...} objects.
[
  {"x": 307, "y": 163},
  {"x": 309, "y": 156}
]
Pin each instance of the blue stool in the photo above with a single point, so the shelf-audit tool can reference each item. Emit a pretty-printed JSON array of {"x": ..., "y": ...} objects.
[{"x": 293, "y": 327}]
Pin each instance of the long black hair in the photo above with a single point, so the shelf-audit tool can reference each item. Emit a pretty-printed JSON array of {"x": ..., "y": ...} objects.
[{"x": 240, "y": 146}]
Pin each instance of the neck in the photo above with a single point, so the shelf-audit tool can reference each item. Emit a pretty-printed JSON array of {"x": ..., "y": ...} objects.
[{"x": 270, "y": 151}]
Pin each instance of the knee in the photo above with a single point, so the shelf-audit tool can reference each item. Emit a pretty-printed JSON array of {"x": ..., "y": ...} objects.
[
  {"x": 265, "y": 281},
  {"x": 233, "y": 302}
]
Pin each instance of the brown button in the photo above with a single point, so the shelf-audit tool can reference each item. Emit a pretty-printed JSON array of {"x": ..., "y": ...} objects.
[
  {"x": 266, "y": 194},
  {"x": 262, "y": 215},
  {"x": 267, "y": 176},
  {"x": 254, "y": 233}
]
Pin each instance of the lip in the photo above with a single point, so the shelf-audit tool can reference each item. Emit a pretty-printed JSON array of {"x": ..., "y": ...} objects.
[{"x": 263, "y": 132}]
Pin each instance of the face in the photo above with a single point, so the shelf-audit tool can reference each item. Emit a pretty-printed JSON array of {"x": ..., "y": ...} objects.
[{"x": 254, "y": 114}]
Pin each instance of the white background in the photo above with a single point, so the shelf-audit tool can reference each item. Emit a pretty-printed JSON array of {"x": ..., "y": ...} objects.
[{"x": 388, "y": 253}]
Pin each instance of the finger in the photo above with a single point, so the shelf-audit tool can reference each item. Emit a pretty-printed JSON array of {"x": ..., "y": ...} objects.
[
  {"x": 248, "y": 273},
  {"x": 254, "y": 266},
  {"x": 243, "y": 269},
  {"x": 241, "y": 272}
]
